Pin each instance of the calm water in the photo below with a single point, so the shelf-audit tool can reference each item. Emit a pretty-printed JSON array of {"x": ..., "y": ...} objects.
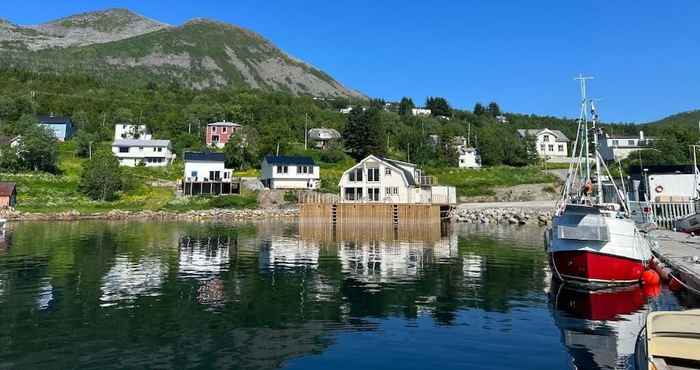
[{"x": 274, "y": 295}]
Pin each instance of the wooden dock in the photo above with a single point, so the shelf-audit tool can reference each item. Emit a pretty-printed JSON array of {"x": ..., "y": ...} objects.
[
  {"x": 367, "y": 213},
  {"x": 681, "y": 253}
]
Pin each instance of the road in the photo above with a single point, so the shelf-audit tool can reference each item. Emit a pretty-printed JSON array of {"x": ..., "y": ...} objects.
[{"x": 532, "y": 205}]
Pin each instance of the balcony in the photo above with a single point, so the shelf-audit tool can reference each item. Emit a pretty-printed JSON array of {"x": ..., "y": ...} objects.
[{"x": 427, "y": 180}]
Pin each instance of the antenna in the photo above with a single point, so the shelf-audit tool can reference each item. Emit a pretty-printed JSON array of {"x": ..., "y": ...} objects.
[{"x": 584, "y": 119}]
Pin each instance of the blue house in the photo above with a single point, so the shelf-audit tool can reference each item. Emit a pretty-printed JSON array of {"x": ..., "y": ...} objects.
[{"x": 62, "y": 127}]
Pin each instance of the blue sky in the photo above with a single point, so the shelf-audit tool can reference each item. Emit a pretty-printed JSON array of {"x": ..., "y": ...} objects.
[{"x": 645, "y": 55}]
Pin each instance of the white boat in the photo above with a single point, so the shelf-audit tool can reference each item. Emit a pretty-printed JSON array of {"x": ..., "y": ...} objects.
[
  {"x": 592, "y": 239},
  {"x": 671, "y": 341}
]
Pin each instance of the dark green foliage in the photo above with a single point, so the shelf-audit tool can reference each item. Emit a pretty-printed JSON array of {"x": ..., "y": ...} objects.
[
  {"x": 291, "y": 197},
  {"x": 233, "y": 202},
  {"x": 364, "y": 132},
  {"x": 438, "y": 106},
  {"x": 10, "y": 161},
  {"x": 493, "y": 109},
  {"x": 479, "y": 109},
  {"x": 39, "y": 149},
  {"x": 405, "y": 106},
  {"x": 500, "y": 145},
  {"x": 101, "y": 177},
  {"x": 242, "y": 150},
  {"x": 85, "y": 143}
]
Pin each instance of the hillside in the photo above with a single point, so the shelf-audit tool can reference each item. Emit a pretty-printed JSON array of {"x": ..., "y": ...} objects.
[
  {"x": 121, "y": 46},
  {"x": 688, "y": 119}
]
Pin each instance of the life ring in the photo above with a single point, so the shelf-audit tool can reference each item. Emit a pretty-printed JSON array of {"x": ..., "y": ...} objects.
[{"x": 659, "y": 189}]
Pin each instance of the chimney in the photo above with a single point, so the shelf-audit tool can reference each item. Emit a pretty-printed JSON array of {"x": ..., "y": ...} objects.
[
  {"x": 52, "y": 115},
  {"x": 641, "y": 135}
]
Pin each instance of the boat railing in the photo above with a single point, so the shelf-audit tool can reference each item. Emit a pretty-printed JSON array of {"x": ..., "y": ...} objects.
[{"x": 664, "y": 214}]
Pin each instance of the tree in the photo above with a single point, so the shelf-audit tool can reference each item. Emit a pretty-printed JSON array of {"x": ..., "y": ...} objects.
[
  {"x": 85, "y": 143},
  {"x": 10, "y": 161},
  {"x": 405, "y": 106},
  {"x": 363, "y": 133},
  {"x": 493, "y": 109},
  {"x": 479, "y": 109},
  {"x": 101, "y": 177},
  {"x": 241, "y": 150},
  {"x": 39, "y": 149},
  {"x": 438, "y": 106}
]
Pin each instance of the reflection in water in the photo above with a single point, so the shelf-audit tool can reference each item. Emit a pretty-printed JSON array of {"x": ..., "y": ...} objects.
[
  {"x": 600, "y": 328},
  {"x": 128, "y": 280},
  {"x": 283, "y": 295}
]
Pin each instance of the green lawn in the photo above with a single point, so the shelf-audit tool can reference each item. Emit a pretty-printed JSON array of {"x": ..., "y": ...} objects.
[{"x": 476, "y": 182}]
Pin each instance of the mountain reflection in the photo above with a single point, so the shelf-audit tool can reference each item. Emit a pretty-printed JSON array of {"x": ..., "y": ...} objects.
[{"x": 249, "y": 296}]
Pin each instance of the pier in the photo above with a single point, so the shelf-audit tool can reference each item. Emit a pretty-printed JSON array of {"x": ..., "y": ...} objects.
[
  {"x": 681, "y": 253},
  {"x": 368, "y": 213}
]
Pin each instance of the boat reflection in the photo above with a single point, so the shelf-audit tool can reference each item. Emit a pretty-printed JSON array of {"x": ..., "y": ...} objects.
[{"x": 599, "y": 328}]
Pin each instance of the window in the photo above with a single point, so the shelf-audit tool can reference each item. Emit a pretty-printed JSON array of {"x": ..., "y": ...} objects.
[
  {"x": 214, "y": 175},
  {"x": 353, "y": 193},
  {"x": 282, "y": 169},
  {"x": 373, "y": 174},
  {"x": 616, "y": 142},
  {"x": 561, "y": 147},
  {"x": 213, "y": 129},
  {"x": 391, "y": 191},
  {"x": 542, "y": 147},
  {"x": 123, "y": 149},
  {"x": 550, "y": 147},
  {"x": 223, "y": 129},
  {"x": 140, "y": 149},
  {"x": 304, "y": 169},
  {"x": 159, "y": 150},
  {"x": 373, "y": 194},
  {"x": 215, "y": 138},
  {"x": 194, "y": 174},
  {"x": 545, "y": 138},
  {"x": 356, "y": 175},
  {"x": 630, "y": 142},
  {"x": 387, "y": 171},
  {"x": 225, "y": 175}
]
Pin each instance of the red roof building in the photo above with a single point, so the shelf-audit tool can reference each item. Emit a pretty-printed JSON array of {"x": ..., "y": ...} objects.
[{"x": 219, "y": 133}]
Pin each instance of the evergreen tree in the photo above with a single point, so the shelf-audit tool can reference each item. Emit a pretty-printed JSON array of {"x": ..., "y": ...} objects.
[
  {"x": 438, "y": 106},
  {"x": 494, "y": 110},
  {"x": 363, "y": 133},
  {"x": 85, "y": 143},
  {"x": 479, "y": 109},
  {"x": 101, "y": 177},
  {"x": 242, "y": 151},
  {"x": 405, "y": 106}
]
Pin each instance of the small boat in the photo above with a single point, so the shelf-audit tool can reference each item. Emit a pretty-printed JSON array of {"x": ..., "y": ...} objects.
[
  {"x": 592, "y": 240},
  {"x": 671, "y": 341}
]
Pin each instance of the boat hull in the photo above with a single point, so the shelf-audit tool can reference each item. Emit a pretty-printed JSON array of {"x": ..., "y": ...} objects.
[{"x": 595, "y": 268}]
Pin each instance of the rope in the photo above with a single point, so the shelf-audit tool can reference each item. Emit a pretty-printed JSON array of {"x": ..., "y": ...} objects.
[{"x": 685, "y": 285}]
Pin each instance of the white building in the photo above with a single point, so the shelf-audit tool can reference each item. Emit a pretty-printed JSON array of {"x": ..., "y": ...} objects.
[
  {"x": 151, "y": 153},
  {"x": 282, "y": 172},
  {"x": 421, "y": 112},
  {"x": 206, "y": 166},
  {"x": 549, "y": 143},
  {"x": 620, "y": 147},
  {"x": 323, "y": 136},
  {"x": 468, "y": 156},
  {"x": 377, "y": 179},
  {"x": 126, "y": 131},
  {"x": 346, "y": 110}
]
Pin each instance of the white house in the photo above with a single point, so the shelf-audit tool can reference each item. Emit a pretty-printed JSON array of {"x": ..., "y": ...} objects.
[
  {"x": 377, "y": 179},
  {"x": 206, "y": 166},
  {"x": 125, "y": 131},
  {"x": 549, "y": 143},
  {"x": 151, "y": 153},
  {"x": 468, "y": 156},
  {"x": 421, "y": 112},
  {"x": 282, "y": 172},
  {"x": 323, "y": 136},
  {"x": 620, "y": 147},
  {"x": 346, "y": 110}
]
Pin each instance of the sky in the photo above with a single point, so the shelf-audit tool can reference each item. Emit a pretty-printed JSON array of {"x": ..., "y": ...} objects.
[{"x": 644, "y": 55}]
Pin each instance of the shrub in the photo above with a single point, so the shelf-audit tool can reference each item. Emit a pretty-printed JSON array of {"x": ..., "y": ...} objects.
[{"x": 291, "y": 197}]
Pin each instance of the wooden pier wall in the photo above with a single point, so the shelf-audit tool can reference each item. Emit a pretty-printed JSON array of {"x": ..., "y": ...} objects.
[
  {"x": 678, "y": 251},
  {"x": 356, "y": 214}
]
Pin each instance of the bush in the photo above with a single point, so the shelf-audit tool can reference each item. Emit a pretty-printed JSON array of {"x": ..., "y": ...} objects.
[
  {"x": 291, "y": 197},
  {"x": 233, "y": 201},
  {"x": 101, "y": 177}
]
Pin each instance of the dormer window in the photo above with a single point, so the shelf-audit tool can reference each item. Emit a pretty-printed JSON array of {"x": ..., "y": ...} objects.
[{"x": 545, "y": 138}]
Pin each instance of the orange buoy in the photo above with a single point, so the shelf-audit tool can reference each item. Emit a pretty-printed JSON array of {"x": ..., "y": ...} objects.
[
  {"x": 652, "y": 291},
  {"x": 650, "y": 277}
]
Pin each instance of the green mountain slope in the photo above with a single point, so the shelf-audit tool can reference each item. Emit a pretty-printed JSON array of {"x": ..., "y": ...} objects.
[
  {"x": 688, "y": 119},
  {"x": 199, "y": 54}
]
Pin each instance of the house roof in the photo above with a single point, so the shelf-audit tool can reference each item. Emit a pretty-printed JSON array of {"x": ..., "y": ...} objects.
[
  {"x": 205, "y": 156},
  {"x": 7, "y": 188},
  {"x": 227, "y": 124},
  {"x": 398, "y": 164},
  {"x": 290, "y": 160},
  {"x": 54, "y": 120},
  {"x": 534, "y": 132},
  {"x": 133, "y": 142},
  {"x": 323, "y": 134}
]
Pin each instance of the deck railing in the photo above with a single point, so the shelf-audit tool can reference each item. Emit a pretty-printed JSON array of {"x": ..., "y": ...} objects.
[{"x": 663, "y": 214}]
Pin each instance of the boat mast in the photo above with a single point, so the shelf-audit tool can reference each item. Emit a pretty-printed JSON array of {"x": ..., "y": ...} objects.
[
  {"x": 584, "y": 119},
  {"x": 599, "y": 181}
]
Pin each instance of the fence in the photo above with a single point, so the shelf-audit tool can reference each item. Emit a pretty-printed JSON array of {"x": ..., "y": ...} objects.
[
  {"x": 322, "y": 198},
  {"x": 663, "y": 214}
]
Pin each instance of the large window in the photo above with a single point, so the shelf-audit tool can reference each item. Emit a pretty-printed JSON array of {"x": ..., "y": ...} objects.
[
  {"x": 551, "y": 147},
  {"x": 356, "y": 175},
  {"x": 123, "y": 149},
  {"x": 353, "y": 194},
  {"x": 373, "y": 174},
  {"x": 215, "y": 138},
  {"x": 214, "y": 175},
  {"x": 304, "y": 169},
  {"x": 373, "y": 194},
  {"x": 282, "y": 169}
]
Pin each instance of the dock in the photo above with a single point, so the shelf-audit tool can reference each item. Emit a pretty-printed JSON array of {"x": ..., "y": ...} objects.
[
  {"x": 368, "y": 213},
  {"x": 681, "y": 253}
]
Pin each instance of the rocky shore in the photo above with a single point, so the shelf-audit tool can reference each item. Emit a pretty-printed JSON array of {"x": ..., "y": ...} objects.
[
  {"x": 507, "y": 216},
  {"x": 210, "y": 214}
]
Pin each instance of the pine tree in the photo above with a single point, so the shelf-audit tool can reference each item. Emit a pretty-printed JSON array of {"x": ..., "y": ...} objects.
[
  {"x": 479, "y": 109},
  {"x": 405, "y": 106}
]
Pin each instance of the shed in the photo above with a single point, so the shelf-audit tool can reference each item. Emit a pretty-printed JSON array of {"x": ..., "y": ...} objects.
[{"x": 8, "y": 195}]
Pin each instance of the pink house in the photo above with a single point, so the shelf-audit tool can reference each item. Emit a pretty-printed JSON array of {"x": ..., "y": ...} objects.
[{"x": 218, "y": 133}]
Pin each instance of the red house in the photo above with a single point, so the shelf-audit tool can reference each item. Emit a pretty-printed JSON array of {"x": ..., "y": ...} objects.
[{"x": 219, "y": 133}]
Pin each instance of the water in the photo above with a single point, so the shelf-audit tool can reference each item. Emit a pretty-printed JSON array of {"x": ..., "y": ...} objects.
[{"x": 278, "y": 295}]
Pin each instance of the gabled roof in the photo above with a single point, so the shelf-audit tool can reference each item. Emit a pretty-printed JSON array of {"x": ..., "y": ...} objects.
[
  {"x": 133, "y": 142},
  {"x": 399, "y": 165},
  {"x": 227, "y": 124},
  {"x": 534, "y": 132},
  {"x": 54, "y": 120},
  {"x": 7, "y": 188},
  {"x": 290, "y": 160},
  {"x": 205, "y": 156},
  {"x": 323, "y": 134}
]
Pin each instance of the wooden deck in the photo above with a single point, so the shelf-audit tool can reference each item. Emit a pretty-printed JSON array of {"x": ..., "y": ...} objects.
[{"x": 679, "y": 251}]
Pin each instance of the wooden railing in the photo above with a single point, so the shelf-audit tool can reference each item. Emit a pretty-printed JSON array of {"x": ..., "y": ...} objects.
[
  {"x": 312, "y": 197},
  {"x": 663, "y": 214},
  {"x": 427, "y": 180}
]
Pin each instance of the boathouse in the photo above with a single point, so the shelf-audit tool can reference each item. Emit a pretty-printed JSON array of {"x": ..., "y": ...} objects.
[
  {"x": 8, "y": 195},
  {"x": 206, "y": 174}
]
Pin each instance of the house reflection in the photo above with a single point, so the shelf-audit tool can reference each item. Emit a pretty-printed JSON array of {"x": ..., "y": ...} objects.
[
  {"x": 599, "y": 328},
  {"x": 129, "y": 279},
  {"x": 204, "y": 259}
]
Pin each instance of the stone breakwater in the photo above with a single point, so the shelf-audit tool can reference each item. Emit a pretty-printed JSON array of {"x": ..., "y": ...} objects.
[
  {"x": 211, "y": 214},
  {"x": 505, "y": 216}
]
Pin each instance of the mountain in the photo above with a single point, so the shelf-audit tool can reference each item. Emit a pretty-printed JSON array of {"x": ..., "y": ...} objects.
[
  {"x": 689, "y": 119},
  {"x": 127, "y": 48}
]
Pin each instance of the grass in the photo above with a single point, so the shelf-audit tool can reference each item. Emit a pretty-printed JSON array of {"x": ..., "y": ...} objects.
[{"x": 477, "y": 182}]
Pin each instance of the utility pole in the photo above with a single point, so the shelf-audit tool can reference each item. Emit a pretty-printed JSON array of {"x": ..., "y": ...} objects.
[
  {"x": 306, "y": 130},
  {"x": 469, "y": 133},
  {"x": 90, "y": 148}
]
